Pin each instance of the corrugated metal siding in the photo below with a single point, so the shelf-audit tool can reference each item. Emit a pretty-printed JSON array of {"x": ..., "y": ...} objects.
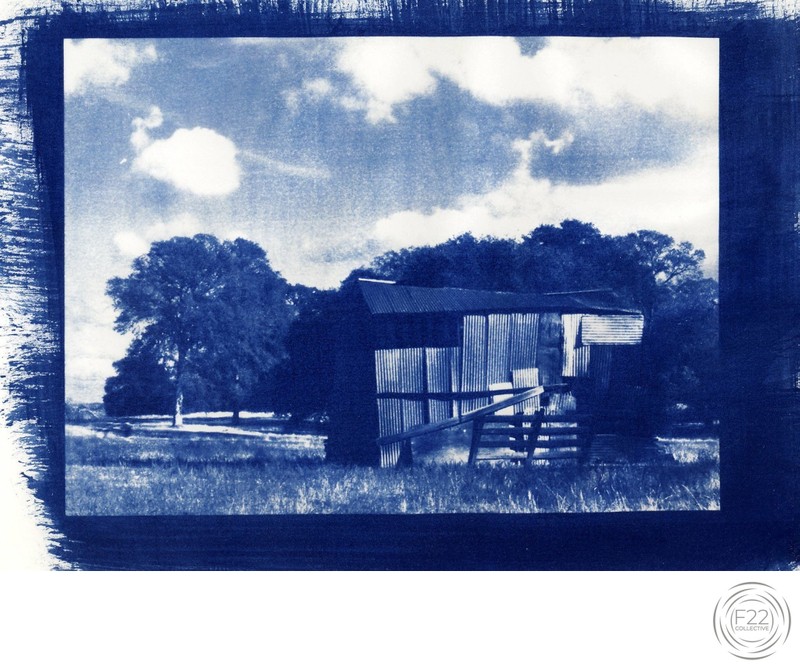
[
  {"x": 473, "y": 361},
  {"x": 583, "y": 359},
  {"x": 413, "y": 370},
  {"x": 570, "y": 324},
  {"x": 390, "y": 411},
  {"x": 439, "y": 374},
  {"x": 388, "y": 377},
  {"x": 399, "y": 371},
  {"x": 524, "y": 340},
  {"x": 455, "y": 377},
  {"x": 498, "y": 348},
  {"x": 526, "y": 378},
  {"x": 612, "y": 329},
  {"x": 561, "y": 403},
  {"x": 390, "y": 415},
  {"x": 412, "y": 377},
  {"x": 601, "y": 365},
  {"x": 576, "y": 358}
]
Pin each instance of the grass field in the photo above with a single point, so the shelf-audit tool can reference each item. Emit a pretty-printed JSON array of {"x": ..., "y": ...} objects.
[{"x": 161, "y": 471}]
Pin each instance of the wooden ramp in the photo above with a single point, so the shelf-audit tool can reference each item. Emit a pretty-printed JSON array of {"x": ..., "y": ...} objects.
[
  {"x": 540, "y": 436},
  {"x": 557, "y": 432},
  {"x": 402, "y": 440}
]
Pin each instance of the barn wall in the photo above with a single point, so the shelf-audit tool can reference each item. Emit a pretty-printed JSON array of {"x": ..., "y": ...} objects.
[
  {"x": 524, "y": 341},
  {"x": 611, "y": 329},
  {"x": 443, "y": 375},
  {"x": 354, "y": 415},
  {"x": 473, "y": 360},
  {"x": 600, "y": 365},
  {"x": 498, "y": 348},
  {"x": 549, "y": 349},
  {"x": 416, "y": 370},
  {"x": 416, "y": 354},
  {"x": 412, "y": 352},
  {"x": 576, "y": 357},
  {"x": 493, "y": 347}
]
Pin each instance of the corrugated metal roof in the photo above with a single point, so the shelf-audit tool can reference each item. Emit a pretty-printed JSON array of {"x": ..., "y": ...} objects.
[
  {"x": 612, "y": 329},
  {"x": 389, "y": 298}
]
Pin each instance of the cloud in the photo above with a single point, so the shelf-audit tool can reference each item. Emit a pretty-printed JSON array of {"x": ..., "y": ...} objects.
[
  {"x": 140, "y": 138},
  {"x": 317, "y": 87},
  {"x": 675, "y": 76},
  {"x": 292, "y": 169},
  {"x": 132, "y": 244},
  {"x": 679, "y": 200},
  {"x": 525, "y": 147},
  {"x": 102, "y": 63},
  {"x": 197, "y": 160},
  {"x": 311, "y": 90},
  {"x": 390, "y": 71}
]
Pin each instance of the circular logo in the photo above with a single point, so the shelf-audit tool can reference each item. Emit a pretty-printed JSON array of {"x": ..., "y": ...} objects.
[{"x": 752, "y": 620}]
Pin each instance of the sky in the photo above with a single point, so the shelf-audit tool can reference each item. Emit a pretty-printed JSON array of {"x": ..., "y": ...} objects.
[{"x": 328, "y": 152}]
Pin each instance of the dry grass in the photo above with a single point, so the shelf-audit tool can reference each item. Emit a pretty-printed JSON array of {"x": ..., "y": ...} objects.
[{"x": 189, "y": 474}]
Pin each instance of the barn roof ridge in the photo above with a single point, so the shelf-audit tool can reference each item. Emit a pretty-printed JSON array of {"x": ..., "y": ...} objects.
[{"x": 384, "y": 297}]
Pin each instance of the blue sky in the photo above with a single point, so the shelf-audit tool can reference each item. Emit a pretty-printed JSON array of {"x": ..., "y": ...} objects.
[{"x": 328, "y": 152}]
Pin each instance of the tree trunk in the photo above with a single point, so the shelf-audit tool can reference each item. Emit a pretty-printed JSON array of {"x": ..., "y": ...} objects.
[
  {"x": 237, "y": 393},
  {"x": 177, "y": 417}
]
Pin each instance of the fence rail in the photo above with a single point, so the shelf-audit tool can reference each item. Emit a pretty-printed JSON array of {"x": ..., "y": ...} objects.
[{"x": 428, "y": 428}]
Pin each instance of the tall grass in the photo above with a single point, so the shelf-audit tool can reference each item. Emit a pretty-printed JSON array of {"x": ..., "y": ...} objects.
[{"x": 213, "y": 475}]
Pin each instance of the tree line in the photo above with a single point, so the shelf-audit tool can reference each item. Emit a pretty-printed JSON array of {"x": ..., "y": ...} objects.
[{"x": 216, "y": 328}]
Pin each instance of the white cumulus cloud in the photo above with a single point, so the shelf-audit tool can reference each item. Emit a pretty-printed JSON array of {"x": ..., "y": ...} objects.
[
  {"x": 102, "y": 63},
  {"x": 675, "y": 76},
  {"x": 390, "y": 71},
  {"x": 196, "y": 160}
]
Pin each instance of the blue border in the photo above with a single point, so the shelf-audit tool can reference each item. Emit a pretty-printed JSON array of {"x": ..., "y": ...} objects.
[{"x": 759, "y": 262}]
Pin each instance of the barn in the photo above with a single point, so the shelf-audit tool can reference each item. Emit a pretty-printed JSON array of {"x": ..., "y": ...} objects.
[{"x": 410, "y": 356}]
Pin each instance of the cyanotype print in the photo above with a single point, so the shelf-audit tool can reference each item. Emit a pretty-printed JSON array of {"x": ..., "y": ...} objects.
[{"x": 391, "y": 275}]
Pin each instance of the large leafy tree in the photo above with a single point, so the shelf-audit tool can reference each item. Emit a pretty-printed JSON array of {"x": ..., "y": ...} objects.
[
  {"x": 249, "y": 320},
  {"x": 652, "y": 267},
  {"x": 569, "y": 256},
  {"x": 211, "y": 312},
  {"x": 462, "y": 262}
]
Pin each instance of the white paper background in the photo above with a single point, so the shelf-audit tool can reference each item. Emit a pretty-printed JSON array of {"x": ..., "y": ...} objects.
[
  {"x": 351, "y": 620},
  {"x": 375, "y": 620}
]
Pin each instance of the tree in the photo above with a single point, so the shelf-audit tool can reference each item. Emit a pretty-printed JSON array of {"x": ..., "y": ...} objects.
[
  {"x": 462, "y": 262},
  {"x": 141, "y": 384},
  {"x": 570, "y": 256},
  {"x": 249, "y": 321},
  {"x": 651, "y": 265},
  {"x": 303, "y": 380},
  {"x": 210, "y": 311}
]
